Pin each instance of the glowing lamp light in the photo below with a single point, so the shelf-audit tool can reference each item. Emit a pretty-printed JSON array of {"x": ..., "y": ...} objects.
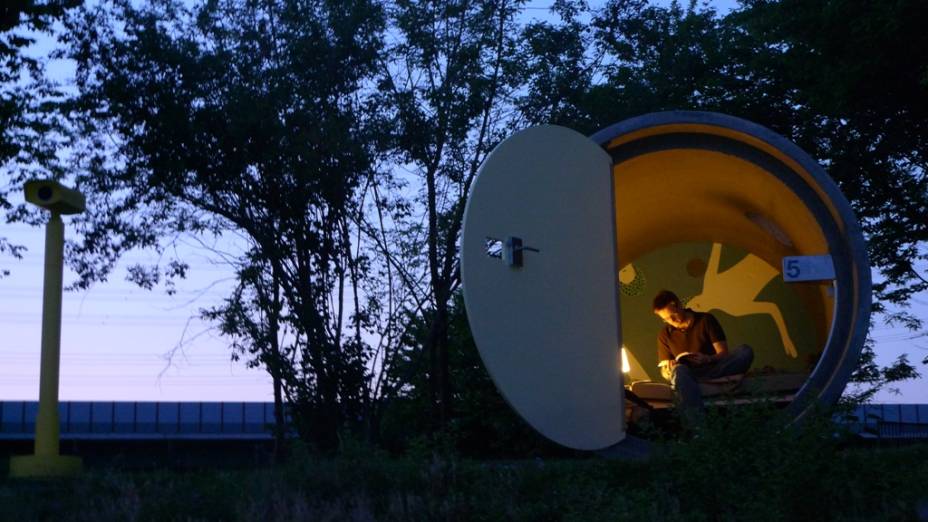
[{"x": 625, "y": 366}]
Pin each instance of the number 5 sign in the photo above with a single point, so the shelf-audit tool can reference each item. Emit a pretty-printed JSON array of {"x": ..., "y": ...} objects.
[{"x": 808, "y": 268}]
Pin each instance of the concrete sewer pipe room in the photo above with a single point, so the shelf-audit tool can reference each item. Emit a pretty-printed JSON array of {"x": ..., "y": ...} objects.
[{"x": 567, "y": 238}]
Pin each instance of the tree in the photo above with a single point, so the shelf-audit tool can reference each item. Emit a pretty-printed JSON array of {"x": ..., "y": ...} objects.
[
  {"x": 483, "y": 424},
  {"x": 244, "y": 119},
  {"x": 29, "y": 102},
  {"x": 857, "y": 77},
  {"x": 561, "y": 63},
  {"x": 858, "y": 71},
  {"x": 869, "y": 377},
  {"x": 451, "y": 74},
  {"x": 834, "y": 77}
]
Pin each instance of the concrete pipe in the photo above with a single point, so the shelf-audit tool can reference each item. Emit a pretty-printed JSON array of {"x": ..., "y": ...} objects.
[{"x": 567, "y": 239}]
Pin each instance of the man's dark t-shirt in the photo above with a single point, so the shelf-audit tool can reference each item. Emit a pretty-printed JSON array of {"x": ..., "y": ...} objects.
[{"x": 698, "y": 338}]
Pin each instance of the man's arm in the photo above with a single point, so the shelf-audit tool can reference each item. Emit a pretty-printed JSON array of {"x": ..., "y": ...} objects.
[
  {"x": 665, "y": 360},
  {"x": 664, "y": 353},
  {"x": 717, "y": 337},
  {"x": 721, "y": 349}
]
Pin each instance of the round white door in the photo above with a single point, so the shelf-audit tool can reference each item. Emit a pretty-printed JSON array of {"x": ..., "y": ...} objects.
[{"x": 538, "y": 265}]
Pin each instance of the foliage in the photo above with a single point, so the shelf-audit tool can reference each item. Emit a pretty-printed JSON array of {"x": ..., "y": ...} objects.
[
  {"x": 27, "y": 98},
  {"x": 857, "y": 73},
  {"x": 869, "y": 377},
  {"x": 559, "y": 71},
  {"x": 482, "y": 424},
  {"x": 831, "y": 76},
  {"x": 450, "y": 73},
  {"x": 30, "y": 118},
  {"x": 847, "y": 80},
  {"x": 739, "y": 473},
  {"x": 325, "y": 151},
  {"x": 751, "y": 463},
  {"x": 242, "y": 119}
]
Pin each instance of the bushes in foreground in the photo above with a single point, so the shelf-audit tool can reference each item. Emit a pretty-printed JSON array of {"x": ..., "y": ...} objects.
[{"x": 729, "y": 471}]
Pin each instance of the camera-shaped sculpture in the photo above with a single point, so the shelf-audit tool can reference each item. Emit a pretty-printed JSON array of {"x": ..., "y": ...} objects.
[
  {"x": 46, "y": 460},
  {"x": 54, "y": 196}
]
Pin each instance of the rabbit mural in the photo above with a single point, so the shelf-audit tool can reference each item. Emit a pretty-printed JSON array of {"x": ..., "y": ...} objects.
[{"x": 735, "y": 291}]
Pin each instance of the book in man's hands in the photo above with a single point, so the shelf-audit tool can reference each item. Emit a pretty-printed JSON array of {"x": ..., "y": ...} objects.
[{"x": 689, "y": 358}]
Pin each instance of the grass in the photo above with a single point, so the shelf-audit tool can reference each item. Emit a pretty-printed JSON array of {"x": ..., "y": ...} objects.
[
  {"x": 850, "y": 484},
  {"x": 738, "y": 467}
]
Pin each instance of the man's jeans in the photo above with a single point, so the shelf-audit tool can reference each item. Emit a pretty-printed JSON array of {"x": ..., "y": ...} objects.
[{"x": 685, "y": 379}]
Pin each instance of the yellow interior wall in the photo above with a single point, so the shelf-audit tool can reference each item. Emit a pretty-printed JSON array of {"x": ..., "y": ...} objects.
[
  {"x": 754, "y": 305},
  {"x": 734, "y": 135},
  {"x": 700, "y": 198}
]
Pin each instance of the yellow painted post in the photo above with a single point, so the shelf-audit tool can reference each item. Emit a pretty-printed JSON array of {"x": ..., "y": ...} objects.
[
  {"x": 46, "y": 462},
  {"x": 46, "y": 426}
]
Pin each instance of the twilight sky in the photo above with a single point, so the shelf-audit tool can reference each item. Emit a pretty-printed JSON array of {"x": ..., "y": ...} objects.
[{"x": 116, "y": 336}]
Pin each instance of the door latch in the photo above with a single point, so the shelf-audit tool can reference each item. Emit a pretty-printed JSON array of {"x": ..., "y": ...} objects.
[{"x": 512, "y": 251}]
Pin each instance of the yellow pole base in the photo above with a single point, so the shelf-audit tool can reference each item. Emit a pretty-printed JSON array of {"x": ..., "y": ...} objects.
[{"x": 40, "y": 466}]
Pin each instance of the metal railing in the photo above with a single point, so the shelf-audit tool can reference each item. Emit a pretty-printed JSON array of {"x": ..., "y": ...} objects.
[
  {"x": 143, "y": 420},
  {"x": 888, "y": 421}
]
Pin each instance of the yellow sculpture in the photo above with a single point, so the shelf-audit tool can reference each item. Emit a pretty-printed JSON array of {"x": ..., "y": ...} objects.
[{"x": 47, "y": 462}]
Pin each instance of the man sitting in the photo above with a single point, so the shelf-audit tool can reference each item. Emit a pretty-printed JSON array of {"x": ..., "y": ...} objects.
[{"x": 691, "y": 347}]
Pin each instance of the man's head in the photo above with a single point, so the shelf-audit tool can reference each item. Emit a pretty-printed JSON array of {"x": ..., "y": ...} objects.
[{"x": 667, "y": 306}]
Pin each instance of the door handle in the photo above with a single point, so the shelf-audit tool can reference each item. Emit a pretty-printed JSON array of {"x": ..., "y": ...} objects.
[{"x": 512, "y": 251}]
